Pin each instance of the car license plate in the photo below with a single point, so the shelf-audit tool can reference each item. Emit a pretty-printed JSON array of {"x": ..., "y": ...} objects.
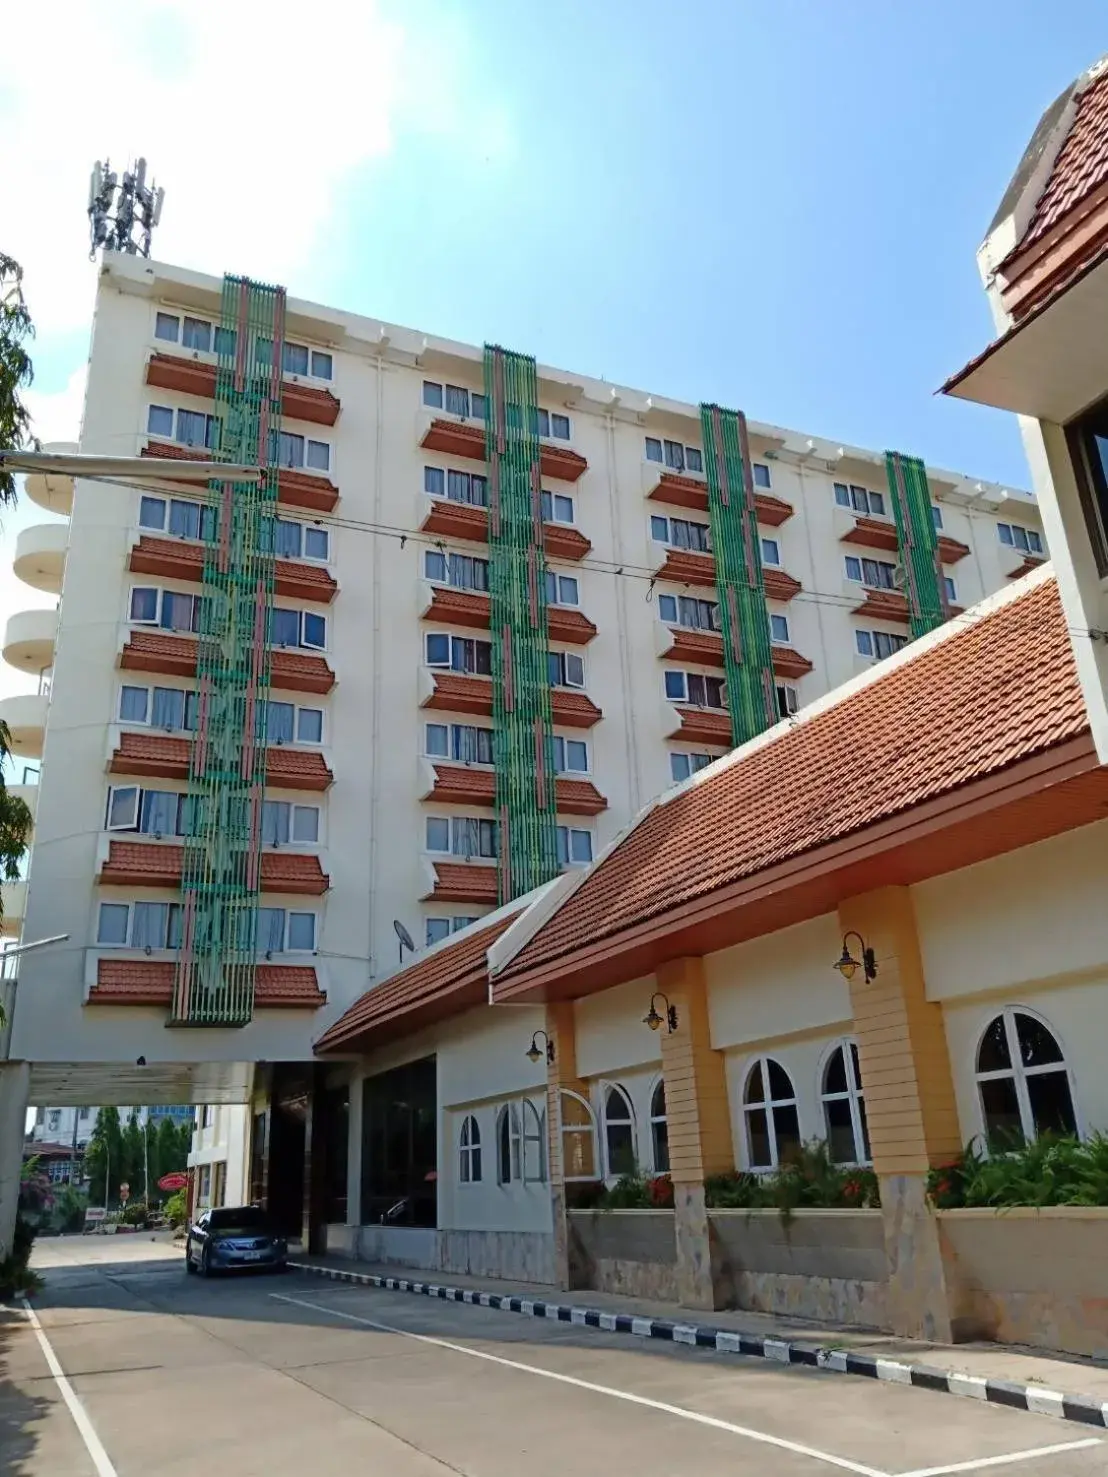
[{"x": 252, "y": 1256}]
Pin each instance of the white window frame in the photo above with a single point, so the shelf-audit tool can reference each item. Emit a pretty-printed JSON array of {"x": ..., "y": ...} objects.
[
  {"x": 557, "y": 577},
  {"x": 470, "y": 412},
  {"x": 448, "y": 666},
  {"x": 305, "y": 528},
  {"x": 860, "y": 577},
  {"x": 534, "y": 1138},
  {"x": 563, "y": 663},
  {"x": 706, "y": 677},
  {"x": 951, "y": 589},
  {"x": 1028, "y": 534},
  {"x": 768, "y": 1105},
  {"x": 292, "y": 844},
  {"x": 775, "y": 561},
  {"x": 791, "y": 696},
  {"x": 286, "y": 947},
  {"x": 867, "y": 494},
  {"x": 136, "y": 810},
  {"x": 755, "y": 468},
  {"x": 870, "y": 633},
  {"x": 179, "y": 315},
  {"x": 569, "y": 1131},
  {"x": 565, "y": 743},
  {"x": 302, "y": 644},
  {"x": 572, "y": 831},
  {"x": 469, "y": 1151},
  {"x": 1019, "y": 1073},
  {"x": 508, "y": 1115},
  {"x": 450, "y": 822},
  {"x": 668, "y": 542},
  {"x": 688, "y": 454},
  {"x": 129, "y": 941},
  {"x": 854, "y": 1095},
  {"x": 656, "y": 1119},
  {"x": 155, "y": 622},
  {"x": 690, "y": 755},
  {"x": 786, "y": 640},
  {"x": 606, "y": 1090},
  {"x": 165, "y": 499},
  {"x": 553, "y": 518}
]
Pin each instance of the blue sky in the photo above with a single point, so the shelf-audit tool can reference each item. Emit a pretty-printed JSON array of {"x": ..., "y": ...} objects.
[{"x": 770, "y": 203}]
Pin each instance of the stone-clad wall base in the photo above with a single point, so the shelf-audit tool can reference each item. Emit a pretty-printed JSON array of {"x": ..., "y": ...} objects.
[
  {"x": 633, "y": 1252},
  {"x": 517, "y": 1256},
  {"x": 814, "y": 1299}
]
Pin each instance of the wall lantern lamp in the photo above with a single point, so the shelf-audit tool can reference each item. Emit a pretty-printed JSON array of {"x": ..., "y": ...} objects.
[
  {"x": 848, "y": 966},
  {"x": 654, "y": 1020},
  {"x": 534, "y": 1051}
]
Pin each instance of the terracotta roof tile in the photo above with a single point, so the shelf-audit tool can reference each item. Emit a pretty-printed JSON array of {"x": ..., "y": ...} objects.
[
  {"x": 184, "y": 560},
  {"x": 155, "y": 651},
  {"x": 692, "y": 492},
  {"x": 164, "y": 755},
  {"x": 198, "y": 377},
  {"x": 456, "y": 693},
  {"x": 704, "y": 726},
  {"x": 464, "y": 882},
  {"x": 450, "y": 979},
  {"x": 467, "y": 439},
  {"x": 294, "y": 489},
  {"x": 460, "y": 784},
  {"x": 150, "y": 982},
  {"x": 1081, "y": 165},
  {"x": 976, "y": 701},
  {"x": 158, "y": 864}
]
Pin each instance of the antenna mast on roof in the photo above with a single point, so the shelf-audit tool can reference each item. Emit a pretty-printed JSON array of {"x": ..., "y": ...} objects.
[{"x": 122, "y": 212}]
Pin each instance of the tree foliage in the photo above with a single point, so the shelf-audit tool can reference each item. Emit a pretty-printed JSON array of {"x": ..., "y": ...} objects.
[
  {"x": 122, "y": 1152},
  {"x": 16, "y": 370}
]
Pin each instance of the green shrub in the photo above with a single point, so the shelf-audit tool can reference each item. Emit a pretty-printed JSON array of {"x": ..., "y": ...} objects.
[
  {"x": 133, "y": 1214},
  {"x": 808, "y": 1177},
  {"x": 1051, "y": 1170},
  {"x": 175, "y": 1209},
  {"x": 15, "y": 1275}
]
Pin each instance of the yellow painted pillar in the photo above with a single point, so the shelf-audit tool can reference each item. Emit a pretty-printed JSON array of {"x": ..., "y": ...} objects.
[
  {"x": 562, "y": 1073},
  {"x": 910, "y": 1109},
  {"x": 699, "y": 1128}
]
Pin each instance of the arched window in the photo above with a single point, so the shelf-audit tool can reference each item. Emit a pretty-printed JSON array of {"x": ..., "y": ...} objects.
[
  {"x": 534, "y": 1144},
  {"x": 508, "y": 1144},
  {"x": 769, "y": 1108},
  {"x": 619, "y": 1132},
  {"x": 659, "y": 1129},
  {"x": 1022, "y": 1080},
  {"x": 844, "y": 1107},
  {"x": 469, "y": 1151},
  {"x": 578, "y": 1129}
]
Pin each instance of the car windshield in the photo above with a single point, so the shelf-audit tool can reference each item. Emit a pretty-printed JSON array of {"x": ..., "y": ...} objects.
[{"x": 246, "y": 1219}]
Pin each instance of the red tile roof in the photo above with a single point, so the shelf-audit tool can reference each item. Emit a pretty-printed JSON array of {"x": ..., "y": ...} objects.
[
  {"x": 704, "y": 726},
  {"x": 153, "y": 651},
  {"x": 150, "y": 982},
  {"x": 459, "y": 784},
  {"x": 977, "y": 700},
  {"x": 459, "y": 438},
  {"x": 197, "y": 377},
  {"x": 1082, "y": 163},
  {"x": 471, "y": 609},
  {"x": 295, "y": 489},
  {"x": 164, "y": 755},
  {"x": 456, "y": 693},
  {"x": 184, "y": 560},
  {"x": 450, "y": 980},
  {"x": 464, "y": 882},
  {"x": 158, "y": 864}
]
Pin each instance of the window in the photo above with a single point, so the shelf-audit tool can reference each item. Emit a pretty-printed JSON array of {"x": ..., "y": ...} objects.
[
  {"x": 54, "y": 1119},
  {"x": 761, "y": 474},
  {"x": 461, "y": 835},
  {"x": 557, "y": 507},
  {"x": 844, "y": 1107},
  {"x": 113, "y": 924},
  {"x": 284, "y": 822},
  {"x": 779, "y": 630},
  {"x": 469, "y": 1151},
  {"x": 659, "y": 1129},
  {"x": 534, "y": 1144},
  {"x": 680, "y": 533},
  {"x": 462, "y": 571},
  {"x": 178, "y": 516},
  {"x": 788, "y": 700},
  {"x": 457, "y": 487},
  {"x": 196, "y": 333},
  {"x": 170, "y": 708},
  {"x": 509, "y": 1143},
  {"x": 550, "y": 423},
  {"x": 292, "y": 451},
  {"x": 951, "y": 590},
  {"x": 461, "y": 741},
  {"x": 277, "y": 931},
  {"x": 1027, "y": 540},
  {"x": 877, "y": 574},
  {"x": 561, "y": 589},
  {"x": 159, "y": 420},
  {"x": 685, "y": 610},
  {"x": 771, "y": 552},
  {"x": 769, "y": 1114},
  {"x": 674, "y": 455},
  {"x": 879, "y": 644},
  {"x": 619, "y": 1133},
  {"x": 860, "y": 500},
  {"x": 167, "y": 326},
  {"x": 571, "y": 756},
  {"x": 285, "y": 723},
  {"x": 139, "y": 925},
  {"x": 165, "y": 608},
  {"x": 194, "y": 428},
  {"x": 441, "y": 928},
  {"x": 323, "y": 367},
  {"x": 574, "y": 847},
  {"x": 297, "y": 628},
  {"x": 454, "y": 400},
  {"x": 291, "y": 540},
  {"x": 578, "y": 1130},
  {"x": 681, "y": 765},
  {"x": 565, "y": 669},
  {"x": 458, "y": 653},
  {"x": 692, "y": 688},
  {"x": 937, "y": 517},
  {"x": 1023, "y": 1081},
  {"x": 152, "y": 812}
]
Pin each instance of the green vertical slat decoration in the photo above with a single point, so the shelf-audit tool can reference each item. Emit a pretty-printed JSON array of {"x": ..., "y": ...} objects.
[
  {"x": 918, "y": 540},
  {"x": 523, "y": 744},
  {"x": 221, "y": 880},
  {"x": 747, "y": 648}
]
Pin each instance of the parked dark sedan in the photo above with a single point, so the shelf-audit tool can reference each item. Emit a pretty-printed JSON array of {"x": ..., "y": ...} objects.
[{"x": 232, "y": 1237}]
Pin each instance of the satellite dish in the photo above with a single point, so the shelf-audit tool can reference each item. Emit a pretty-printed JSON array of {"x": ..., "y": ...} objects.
[{"x": 406, "y": 940}]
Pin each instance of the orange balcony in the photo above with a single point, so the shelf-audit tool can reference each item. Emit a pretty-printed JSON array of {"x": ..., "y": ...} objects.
[
  {"x": 454, "y": 692},
  {"x": 176, "y": 656},
  {"x": 704, "y": 726},
  {"x": 167, "y": 757},
  {"x": 883, "y": 605},
  {"x": 471, "y": 609},
  {"x": 690, "y": 567},
  {"x": 788, "y": 662},
  {"x": 150, "y": 982},
  {"x": 459, "y": 438},
  {"x": 179, "y": 560},
  {"x": 1030, "y": 562},
  {"x": 705, "y": 649},
  {"x": 464, "y": 882},
  {"x": 877, "y": 533},
  {"x": 294, "y": 489},
  {"x": 952, "y": 549},
  {"x": 153, "y": 864},
  {"x": 194, "y": 377},
  {"x": 691, "y": 492},
  {"x": 465, "y": 521},
  {"x": 461, "y": 784}
]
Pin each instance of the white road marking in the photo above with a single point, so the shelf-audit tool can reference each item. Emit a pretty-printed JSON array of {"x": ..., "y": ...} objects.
[
  {"x": 565, "y": 1379},
  {"x": 1003, "y": 1461},
  {"x": 100, "y": 1459}
]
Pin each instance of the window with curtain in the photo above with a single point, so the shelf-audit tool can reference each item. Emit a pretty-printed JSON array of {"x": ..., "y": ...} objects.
[
  {"x": 271, "y": 931},
  {"x": 149, "y": 924},
  {"x": 770, "y": 1114},
  {"x": 844, "y": 1107},
  {"x": 469, "y": 1151},
  {"x": 659, "y": 1129},
  {"x": 167, "y": 709},
  {"x": 276, "y": 822},
  {"x": 288, "y": 539},
  {"x": 280, "y": 720},
  {"x": 159, "y": 812},
  {"x": 1022, "y": 1081},
  {"x": 619, "y": 1132},
  {"x": 134, "y": 703}
]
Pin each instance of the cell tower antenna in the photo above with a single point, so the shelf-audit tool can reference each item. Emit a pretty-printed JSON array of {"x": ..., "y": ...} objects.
[{"x": 122, "y": 210}]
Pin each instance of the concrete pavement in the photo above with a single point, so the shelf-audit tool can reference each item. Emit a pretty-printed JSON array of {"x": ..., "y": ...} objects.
[{"x": 282, "y": 1375}]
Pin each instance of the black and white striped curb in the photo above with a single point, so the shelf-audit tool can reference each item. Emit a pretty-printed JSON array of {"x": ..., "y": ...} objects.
[{"x": 1084, "y": 1409}]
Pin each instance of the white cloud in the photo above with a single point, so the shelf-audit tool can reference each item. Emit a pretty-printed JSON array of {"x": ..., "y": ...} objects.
[
  {"x": 57, "y": 416},
  {"x": 250, "y": 115}
]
